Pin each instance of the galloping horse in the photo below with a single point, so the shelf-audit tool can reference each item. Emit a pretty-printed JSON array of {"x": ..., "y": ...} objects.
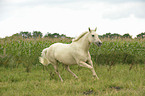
[{"x": 69, "y": 54}]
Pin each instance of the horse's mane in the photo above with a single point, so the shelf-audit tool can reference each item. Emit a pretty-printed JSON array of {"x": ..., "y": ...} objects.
[{"x": 79, "y": 37}]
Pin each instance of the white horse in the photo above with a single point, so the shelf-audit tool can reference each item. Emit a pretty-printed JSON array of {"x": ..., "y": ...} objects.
[{"x": 69, "y": 54}]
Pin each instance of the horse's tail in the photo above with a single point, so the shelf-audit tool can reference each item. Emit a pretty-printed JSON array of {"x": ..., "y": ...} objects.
[{"x": 43, "y": 60}]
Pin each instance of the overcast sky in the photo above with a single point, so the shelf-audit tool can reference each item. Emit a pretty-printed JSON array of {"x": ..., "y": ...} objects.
[{"x": 72, "y": 17}]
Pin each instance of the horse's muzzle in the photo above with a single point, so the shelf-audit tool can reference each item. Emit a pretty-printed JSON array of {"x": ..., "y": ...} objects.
[{"x": 99, "y": 43}]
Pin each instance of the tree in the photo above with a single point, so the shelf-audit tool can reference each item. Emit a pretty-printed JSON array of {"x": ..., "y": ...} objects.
[
  {"x": 37, "y": 34},
  {"x": 141, "y": 35},
  {"x": 107, "y": 35},
  {"x": 63, "y": 36},
  {"x": 25, "y": 34},
  {"x": 115, "y": 35},
  {"x": 55, "y": 35},
  {"x": 49, "y": 35},
  {"x": 127, "y": 35},
  {"x": 17, "y": 34}
]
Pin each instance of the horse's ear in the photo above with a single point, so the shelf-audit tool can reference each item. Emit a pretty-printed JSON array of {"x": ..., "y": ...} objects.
[
  {"x": 95, "y": 28},
  {"x": 89, "y": 29}
]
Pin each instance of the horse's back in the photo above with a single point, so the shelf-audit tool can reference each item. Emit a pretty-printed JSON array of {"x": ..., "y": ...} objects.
[{"x": 62, "y": 53}]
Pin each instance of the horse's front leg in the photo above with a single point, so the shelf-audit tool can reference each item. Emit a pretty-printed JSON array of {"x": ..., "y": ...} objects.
[
  {"x": 93, "y": 70},
  {"x": 89, "y": 59},
  {"x": 91, "y": 63},
  {"x": 81, "y": 63}
]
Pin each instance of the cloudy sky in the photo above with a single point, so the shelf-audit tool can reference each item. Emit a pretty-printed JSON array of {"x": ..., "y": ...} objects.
[{"x": 72, "y": 17}]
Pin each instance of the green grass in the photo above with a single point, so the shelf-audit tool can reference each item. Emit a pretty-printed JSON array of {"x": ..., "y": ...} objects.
[
  {"x": 119, "y": 81},
  {"x": 22, "y": 75}
]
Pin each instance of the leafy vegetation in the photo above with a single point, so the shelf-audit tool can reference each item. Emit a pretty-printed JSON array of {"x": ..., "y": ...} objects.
[
  {"x": 120, "y": 51},
  {"x": 116, "y": 35},
  {"x": 15, "y": 51},
  {"x": 36, "y": 34},
  {"x": 142, "y": 35},
  {"x": 119, "y": 63}
]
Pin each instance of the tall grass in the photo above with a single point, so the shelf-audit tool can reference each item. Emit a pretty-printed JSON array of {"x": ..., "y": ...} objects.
[{"x": 14, "y": 52}]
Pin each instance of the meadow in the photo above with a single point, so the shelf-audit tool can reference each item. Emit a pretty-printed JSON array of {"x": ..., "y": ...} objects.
[{"x": 119, "y": 63}]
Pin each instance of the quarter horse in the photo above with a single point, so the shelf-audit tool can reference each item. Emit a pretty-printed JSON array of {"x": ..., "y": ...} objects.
[{"x": 69, "y": 54}]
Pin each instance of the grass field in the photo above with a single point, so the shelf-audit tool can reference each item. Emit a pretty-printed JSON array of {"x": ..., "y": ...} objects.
[
  {"x": 39, "y": 82},
  {"x": 119, "y": 63}
]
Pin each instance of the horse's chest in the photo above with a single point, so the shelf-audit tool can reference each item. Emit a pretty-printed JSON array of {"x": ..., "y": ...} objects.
[{"x": 83, "y": 58}]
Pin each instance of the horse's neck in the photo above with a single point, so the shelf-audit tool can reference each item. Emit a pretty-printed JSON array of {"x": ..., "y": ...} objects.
[{"x": 84, "y": 43}]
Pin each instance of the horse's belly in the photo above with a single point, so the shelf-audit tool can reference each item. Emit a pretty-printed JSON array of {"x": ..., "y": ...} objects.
[
  {"x": 63, "y": 55},
  {"x": 66, "y": 59}
]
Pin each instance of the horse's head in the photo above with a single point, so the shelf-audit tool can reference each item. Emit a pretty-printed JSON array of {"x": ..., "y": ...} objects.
[{"x": 93, "y": 37}]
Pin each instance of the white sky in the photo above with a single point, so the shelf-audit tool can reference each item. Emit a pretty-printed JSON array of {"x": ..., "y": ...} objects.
[{"x": 72, "y": 17}]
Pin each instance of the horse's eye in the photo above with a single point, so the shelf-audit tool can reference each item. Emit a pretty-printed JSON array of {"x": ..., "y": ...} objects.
[{"x": 93, "y": 35}]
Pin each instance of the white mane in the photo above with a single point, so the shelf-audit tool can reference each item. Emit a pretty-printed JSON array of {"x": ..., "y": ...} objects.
[{"x": 79, "y": 37}]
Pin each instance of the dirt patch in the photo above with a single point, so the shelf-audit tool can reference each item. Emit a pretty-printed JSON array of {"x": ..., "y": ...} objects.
[
  {"x": 116, "y": 87},
  {"x": 90, "y": 91}
]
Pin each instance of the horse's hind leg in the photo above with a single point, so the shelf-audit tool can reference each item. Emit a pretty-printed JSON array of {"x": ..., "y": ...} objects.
[
  {"x": 68, "y": 69},
  {"x": 56, "y": 71}
]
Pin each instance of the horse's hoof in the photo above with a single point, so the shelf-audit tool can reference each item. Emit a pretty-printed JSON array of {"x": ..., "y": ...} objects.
[
  {"x": 62, "y": 81},
  {"x": 76, "y": 77}
]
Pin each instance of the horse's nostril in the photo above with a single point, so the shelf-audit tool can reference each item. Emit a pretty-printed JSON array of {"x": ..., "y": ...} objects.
[{"x": 100, "y": 42}]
